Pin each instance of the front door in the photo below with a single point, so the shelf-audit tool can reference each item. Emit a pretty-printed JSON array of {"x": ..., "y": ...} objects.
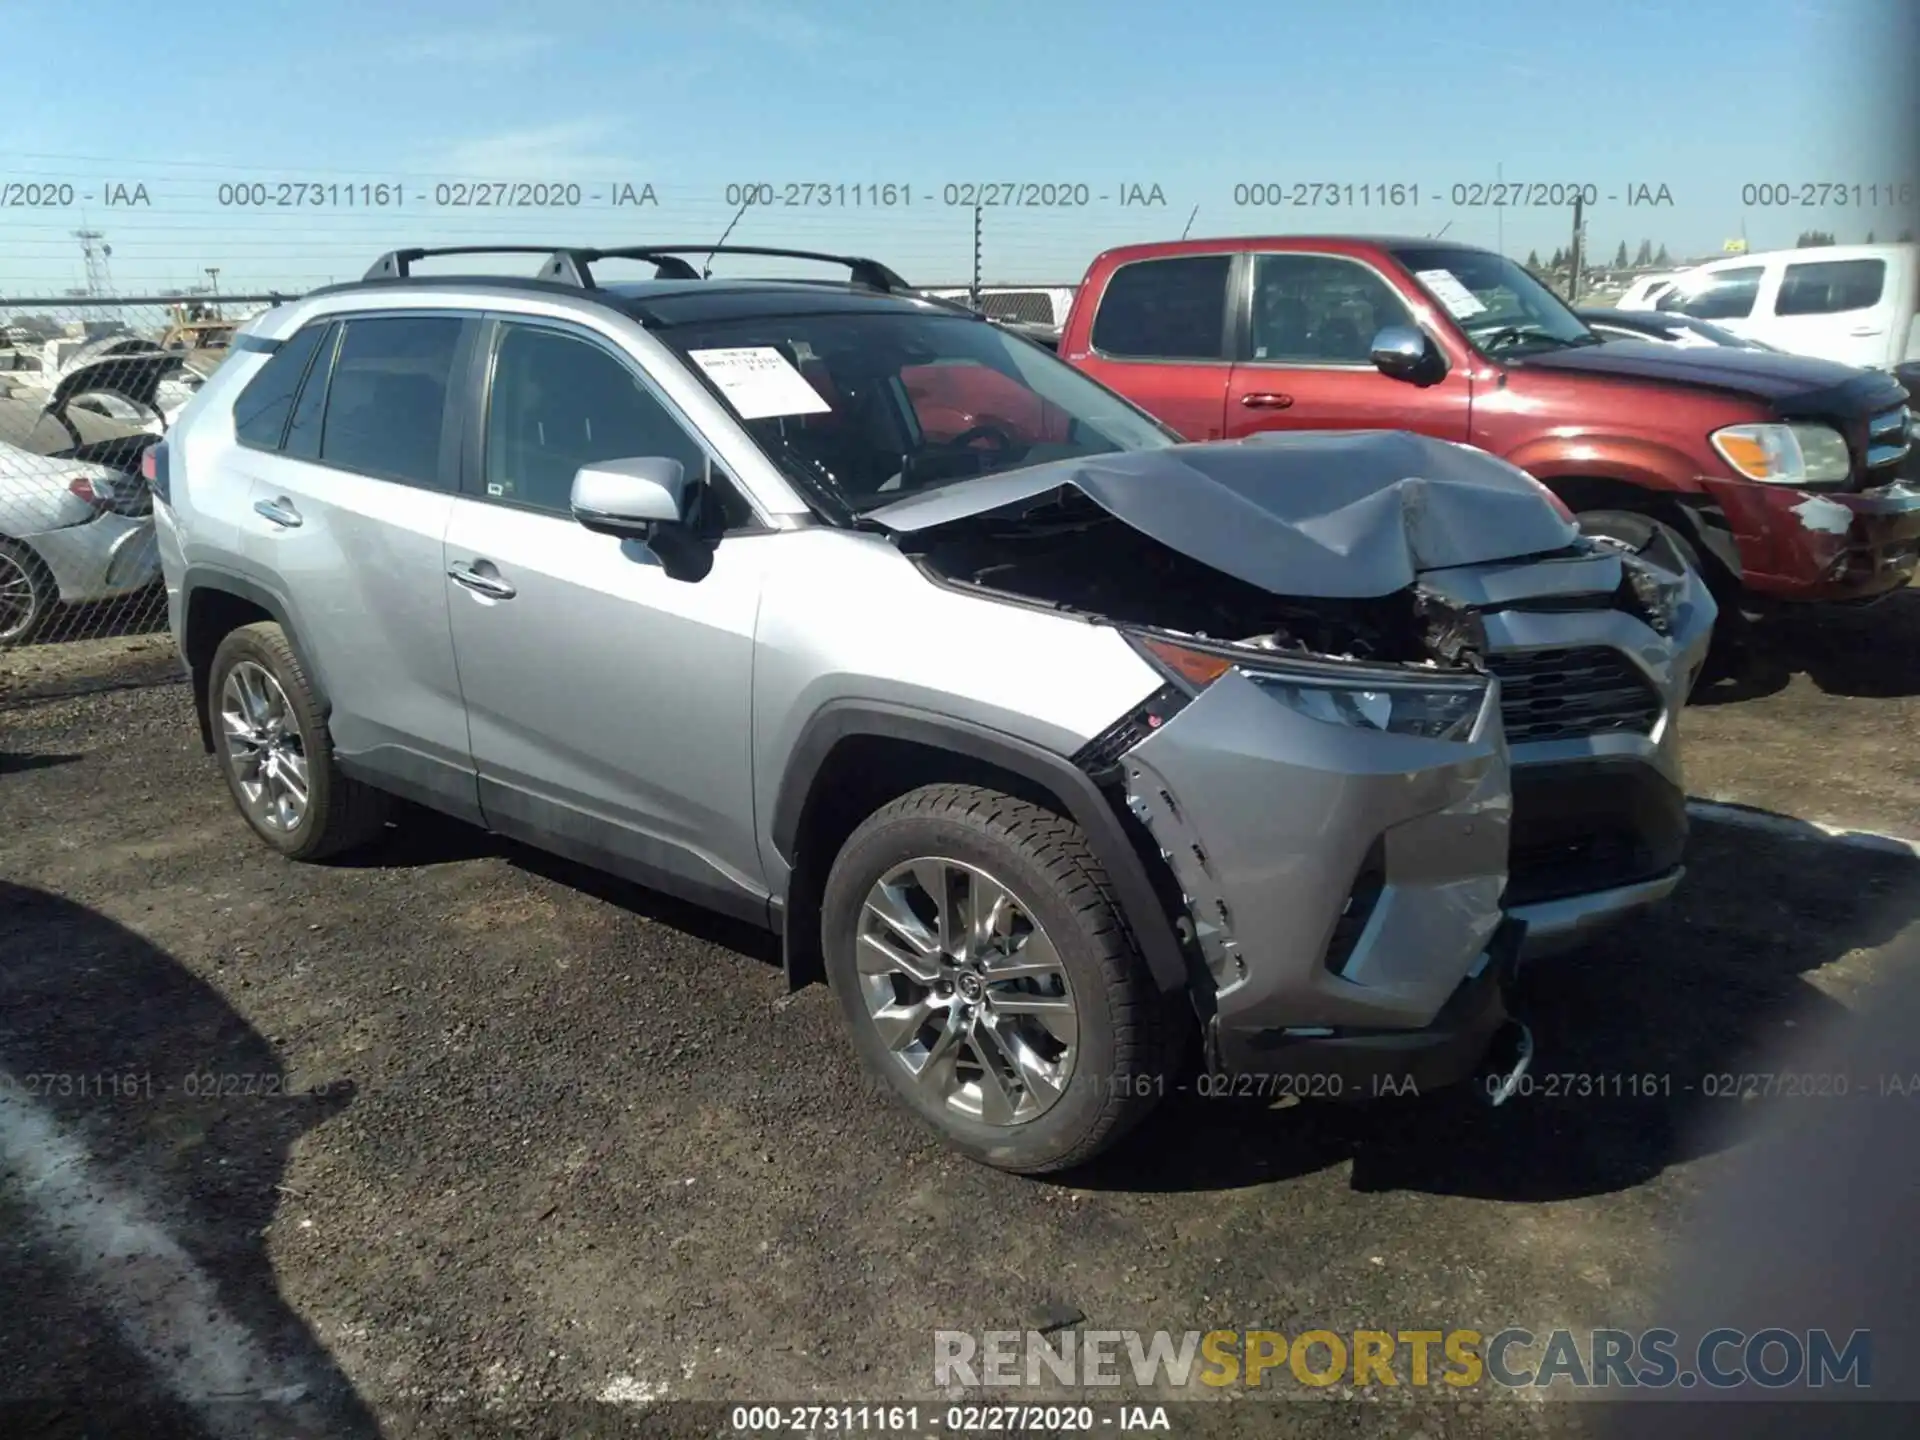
[
  {"x": 609, "y": 705},
  {"x": 1308, "y": 356}
]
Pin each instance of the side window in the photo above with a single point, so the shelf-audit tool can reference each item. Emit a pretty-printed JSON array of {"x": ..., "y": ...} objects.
[
  {"x": 303, "y": 431},
  {"x": 388, "y": 397},
  {"x": 260, "y": 414},
  {"x": 1319, "y": 310},
  {"x": 1831, "y": 287},
  {"x": 559, "y": 402},
  {"x": 1721, "y": 295},
  {"x": 1173, "y": 309}
]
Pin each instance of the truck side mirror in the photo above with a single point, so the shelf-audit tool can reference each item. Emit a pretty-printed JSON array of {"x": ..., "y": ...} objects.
[{"x": 1404, "y": 353}]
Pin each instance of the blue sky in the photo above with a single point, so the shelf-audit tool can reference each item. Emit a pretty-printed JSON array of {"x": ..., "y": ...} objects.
[{"x": 691, "y": 96}]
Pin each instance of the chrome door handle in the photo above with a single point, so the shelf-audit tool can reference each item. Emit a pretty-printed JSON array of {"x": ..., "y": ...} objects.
[
  {"x": 492, "y": 586},
  {"x": 280, "y": 512},
  {"x": 1266, "y": 400},
  {"x": 1863, "y": 332}
]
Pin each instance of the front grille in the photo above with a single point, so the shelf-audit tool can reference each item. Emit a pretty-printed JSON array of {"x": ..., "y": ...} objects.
[
  {"x": 1888, "y": 438},
  {"x": 1571, "y": 694}
]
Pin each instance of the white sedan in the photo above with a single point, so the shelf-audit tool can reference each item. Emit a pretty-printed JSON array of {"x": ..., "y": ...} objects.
[{"x": 76, "y": 519}]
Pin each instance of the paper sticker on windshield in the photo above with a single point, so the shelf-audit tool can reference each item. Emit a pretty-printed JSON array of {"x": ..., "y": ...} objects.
[
  {"x": 1447, "y": 289},
  {"x": 759, "y": 382}
]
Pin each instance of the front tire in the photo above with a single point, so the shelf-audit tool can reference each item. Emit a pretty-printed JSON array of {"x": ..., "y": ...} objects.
[
  {"x": 989, "y": 981},
  {"x": 276, "y": 753}
]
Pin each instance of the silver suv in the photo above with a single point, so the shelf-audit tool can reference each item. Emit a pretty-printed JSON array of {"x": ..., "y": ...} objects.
[{"x": 1070, "y": 756}]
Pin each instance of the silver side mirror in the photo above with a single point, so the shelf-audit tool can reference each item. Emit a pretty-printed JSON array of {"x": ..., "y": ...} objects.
[
  {"x": 629, "y": 498},
  {"x": 1404, "y": 353}
]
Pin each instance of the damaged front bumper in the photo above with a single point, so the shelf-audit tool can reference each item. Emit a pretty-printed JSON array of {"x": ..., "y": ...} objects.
[
  {"x": 1359, "y": 899},
  {"x": 1336, "y": 882},
  {"x": 1822, "y": 545}
]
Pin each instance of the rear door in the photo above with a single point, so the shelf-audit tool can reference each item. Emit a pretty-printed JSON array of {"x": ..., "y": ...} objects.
[
  {"x": 609, "y": 703},
  {"x": 1159, "y": 337},
  {"x": 1838, "y": 309},
  {"x": 352, "y": 489},
  {"x": 1306, "y": 356}
]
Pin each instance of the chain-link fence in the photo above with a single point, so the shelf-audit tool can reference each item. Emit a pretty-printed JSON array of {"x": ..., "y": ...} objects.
[{"x": 86, "y": 386}]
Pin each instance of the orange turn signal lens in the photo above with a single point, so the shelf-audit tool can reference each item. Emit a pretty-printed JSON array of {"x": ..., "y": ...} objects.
[{"x": 1197, "y": 667}]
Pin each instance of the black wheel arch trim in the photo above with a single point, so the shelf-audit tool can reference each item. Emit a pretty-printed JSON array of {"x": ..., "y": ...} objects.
[
  {"x": 839, "y": 720},
  {"x": 202, "y": 577}
]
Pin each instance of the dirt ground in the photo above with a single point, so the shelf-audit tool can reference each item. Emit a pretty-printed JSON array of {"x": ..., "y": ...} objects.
[{"x": 494, "y": 1136}]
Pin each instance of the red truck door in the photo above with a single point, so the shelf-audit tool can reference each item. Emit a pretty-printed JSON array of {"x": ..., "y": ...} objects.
[
  {"x": 1159, "y": 337},
  {"x": 1304, "y": 356}
]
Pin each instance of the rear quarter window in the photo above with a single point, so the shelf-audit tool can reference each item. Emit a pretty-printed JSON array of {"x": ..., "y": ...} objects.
[{"x": 260, "y": 414}]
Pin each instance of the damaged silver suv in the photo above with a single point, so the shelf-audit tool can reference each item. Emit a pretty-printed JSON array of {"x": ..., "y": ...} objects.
[{"x": 1068, "y": 755}]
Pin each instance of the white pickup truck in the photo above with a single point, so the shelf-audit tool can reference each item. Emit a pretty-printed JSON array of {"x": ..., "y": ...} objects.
[{"x": 1857, "y": 304}]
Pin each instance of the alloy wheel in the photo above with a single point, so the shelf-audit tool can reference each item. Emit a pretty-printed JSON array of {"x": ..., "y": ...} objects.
[
  {"x": 967, "y": 991},
  {"x": 19, "y": 607},
  {"x": 264, "y": 747}
]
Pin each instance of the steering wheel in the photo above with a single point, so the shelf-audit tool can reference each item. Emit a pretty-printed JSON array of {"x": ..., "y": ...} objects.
[{"x": 1003, "y": 439}]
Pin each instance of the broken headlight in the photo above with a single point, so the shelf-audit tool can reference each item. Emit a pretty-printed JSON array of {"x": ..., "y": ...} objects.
[{"x": 1357, "y": 697}]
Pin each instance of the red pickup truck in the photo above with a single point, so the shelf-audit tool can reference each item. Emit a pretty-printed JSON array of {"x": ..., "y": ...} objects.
[{"x": 1776, "y": 474}]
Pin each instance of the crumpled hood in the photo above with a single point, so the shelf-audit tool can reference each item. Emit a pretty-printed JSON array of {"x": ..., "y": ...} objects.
[{"x": 1332, "y": 514}]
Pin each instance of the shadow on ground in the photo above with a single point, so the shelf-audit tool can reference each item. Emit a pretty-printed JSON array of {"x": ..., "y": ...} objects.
[
  {"x": 1642, "y": 1041},
  {"x": 182, "y": 1108},
  {"x": 420, "y": 837},
  {"x": 1870, "y": 651}
]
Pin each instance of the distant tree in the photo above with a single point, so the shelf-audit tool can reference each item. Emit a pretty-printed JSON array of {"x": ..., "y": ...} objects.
[
  {"x": 1663, "y": 258},
  {"x": 1559, "y": 261},
  {"x": 1870, "y": 237},
  {"x": 1620, "y": 257},
  {"x": 1813, "y": 237},
  {"x": 1906, "y": 237},
  {"x": 1533, "y": 260},
  {"x": 1644, "y": 255}
]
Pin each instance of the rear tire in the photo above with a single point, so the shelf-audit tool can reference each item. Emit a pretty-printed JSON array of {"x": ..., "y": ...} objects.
[
  {"x": 28, "y": 594},
  {"x": 996, "y": 1081},
  {"x": 276, "y": 754}
]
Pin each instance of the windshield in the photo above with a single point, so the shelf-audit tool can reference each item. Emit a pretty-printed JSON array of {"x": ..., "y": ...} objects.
[
  {"x": 865, "y": 409},
  {"x": 1504, "y": 311}
]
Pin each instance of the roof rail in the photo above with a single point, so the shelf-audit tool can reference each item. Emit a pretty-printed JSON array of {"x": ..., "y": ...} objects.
[
  {"x": 573, "y": 266},
  {"x": 397, "y": 264}
]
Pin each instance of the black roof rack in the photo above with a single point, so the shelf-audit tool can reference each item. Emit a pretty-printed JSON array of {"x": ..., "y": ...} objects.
[
  {"x": 574, "y": 266},
  {"x": 398, "y": 264}
]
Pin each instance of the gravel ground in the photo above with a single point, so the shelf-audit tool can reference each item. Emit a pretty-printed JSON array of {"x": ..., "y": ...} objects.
[{"x": 495, "y": 1136}]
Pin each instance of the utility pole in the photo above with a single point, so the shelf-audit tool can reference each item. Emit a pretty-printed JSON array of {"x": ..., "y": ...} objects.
[
  {"x": 213, "y": 289},
  {"x": 98, "y": 281},
  {"x": 1189, "y": 230},
  {"x": 1577, "y": 257},
  {"x": 973, "y": 296}
]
